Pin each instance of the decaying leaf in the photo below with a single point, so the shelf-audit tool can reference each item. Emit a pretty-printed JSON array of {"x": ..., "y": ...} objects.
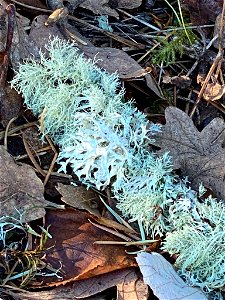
[
  {"x": 199, "y": 155},
  {"x": 41, "y": 34},
  {"x": 79, "y": 197},
  {"x": 11, "y": 105},
  {"x": 132, "y": 287},
  {"x": 129, "y": 4},
  {"x": 201, "y": 11},
  {"x": 103, "y": 7},
  {"x": 115, "y": 60},
  {"x": 23, "y": 47},
  {"x": 214, "y": 91},
  {"x": 31, "y": 136},
  {"x": 100, "y": 7},
  {"x": 72, "y": 248},
  {"x": 217, "y": 29},
  {"x": 181, "y": 81},
  {"x": 159, "y": 274},
  {"x": 89, "y": 287},
  {"x": 3, "y": 27},
  {"x": 81, "y": 289},
  {"x": 20, "y": 189}
]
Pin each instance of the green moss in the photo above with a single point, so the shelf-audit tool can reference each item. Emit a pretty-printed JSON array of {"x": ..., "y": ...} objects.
[{"x": 172, "y": 48}]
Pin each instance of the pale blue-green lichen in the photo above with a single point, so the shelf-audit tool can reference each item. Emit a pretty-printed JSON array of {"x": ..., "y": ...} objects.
[
  {"x": 83, "y": 113},
  {"x": 106, "y": 142}
]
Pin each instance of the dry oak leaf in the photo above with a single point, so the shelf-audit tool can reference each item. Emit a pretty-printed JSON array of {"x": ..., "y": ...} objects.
[
  {"x": 72, "y": 248},
  {"x": 199, "y": 155},
  {"x": 20, "y": 189}
]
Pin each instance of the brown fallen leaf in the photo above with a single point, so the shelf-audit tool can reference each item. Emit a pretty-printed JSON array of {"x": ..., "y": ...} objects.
[
  {"x": 115, "y": 60},
  {"x": 40, "y": 34},
  {"x": 72, "y": 248},
  {"x": 132, "y": 288},
  {"x": 11, "y": 106},
  {"x": 217, "y": 29},
  {"x": 81, "y": 289},
  {"x": 107, "y": 7},
  {"x": 129, "y": 4},
  {"x": 214, "y": 91},
  {"x": 181, "y": 81},
  {"x": 23, "y": 47},
  {"x": 203, "y": 11},
  {"x": 33, "y": 3},
  {"x": 20, "y": 190},
  {"x": 4, "y": 25},
  {"x": 32, "y": 137},
  {"x": 89, "y": 287},
  {"x": 79, "y": 197},
  {"x": 100, "y": 7},
  {"x": 199, "y": 155}
]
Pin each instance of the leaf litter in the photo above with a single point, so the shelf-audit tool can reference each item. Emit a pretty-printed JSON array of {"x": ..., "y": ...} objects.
[
  {"x": 196, "y": 154},
  {"x": 22, "y": 192}
]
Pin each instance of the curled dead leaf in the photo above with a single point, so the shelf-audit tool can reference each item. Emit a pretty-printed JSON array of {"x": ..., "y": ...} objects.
[{"x": 214, "y": 91}]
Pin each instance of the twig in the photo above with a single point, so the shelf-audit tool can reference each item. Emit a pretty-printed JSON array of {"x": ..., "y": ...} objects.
[
  {"x": 16, "y": 129},
  {"x": 53, "y": 160},
  {"x": 138, "y": 20},
  {"x": 11, "y": 12},
  {"x": 32, "y": 7},
  {"x": 216, "y": 64},
  {"x": 42, "y": 172},
  {"x": 7, "y": 130},
  {"x": 206, "y": 81}
]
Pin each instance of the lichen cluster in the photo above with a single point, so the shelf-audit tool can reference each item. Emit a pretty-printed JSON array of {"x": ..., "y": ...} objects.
[{"x": 106, "y": 142}]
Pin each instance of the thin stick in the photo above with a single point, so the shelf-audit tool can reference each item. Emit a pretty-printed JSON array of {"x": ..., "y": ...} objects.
[
  {"x": 16, "y": 129},
  {"x": 138, "y": 20},
  {"x": 32, "y": 158},
  {"x": 213, "y": 67},
  {"x": 6, "y": 132},
  {"x": 53, "y": 160}
]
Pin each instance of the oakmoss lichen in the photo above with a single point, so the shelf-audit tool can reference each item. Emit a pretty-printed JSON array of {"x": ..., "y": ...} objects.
[{"x": 106, "y": 142}]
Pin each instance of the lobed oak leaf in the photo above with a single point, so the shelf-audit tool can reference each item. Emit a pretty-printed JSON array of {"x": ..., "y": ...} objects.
[{"x": 199, "y": 155}]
